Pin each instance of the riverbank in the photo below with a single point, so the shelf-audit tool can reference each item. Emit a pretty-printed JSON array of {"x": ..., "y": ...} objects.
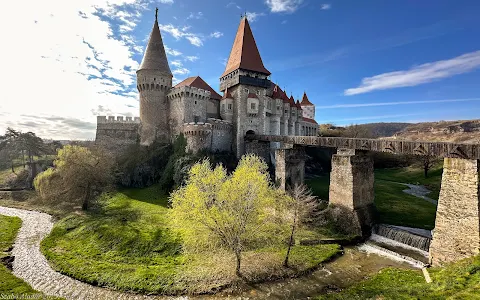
[{"x": 126, "y": 244}]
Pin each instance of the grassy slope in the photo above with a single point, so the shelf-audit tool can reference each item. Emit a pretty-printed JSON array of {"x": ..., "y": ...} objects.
[
  {"x": 127, "y": 245},
  {"x": 10, "y": 284},
  {"x": 393, "y": 205},
  {"x": 460, "y": 280}
]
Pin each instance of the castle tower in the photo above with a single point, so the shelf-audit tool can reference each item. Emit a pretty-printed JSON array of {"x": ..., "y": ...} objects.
[
  {"x": 307, "y": 107},
  {"x": 246, "y": 79},
  {"x": 154, "y": 80}
]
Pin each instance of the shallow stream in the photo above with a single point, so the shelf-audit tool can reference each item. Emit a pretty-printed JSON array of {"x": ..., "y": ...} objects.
[{"x": 350, "y": 268}]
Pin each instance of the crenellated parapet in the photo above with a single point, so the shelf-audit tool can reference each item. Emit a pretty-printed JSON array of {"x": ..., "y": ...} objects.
[
  {"x": 197, "y": 129},
  {"x": 116, "y": 131},
  {"x": 218, "y": 124},
  {"x": 188, "y": 91},
  {"x": 117, "y": 119}
]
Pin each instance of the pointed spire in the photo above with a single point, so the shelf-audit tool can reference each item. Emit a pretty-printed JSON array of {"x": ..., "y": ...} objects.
[
  {"x": 155, "y": 57},
  {"x": 305, "y": 101},
  {"x": 245, "y": 54}
]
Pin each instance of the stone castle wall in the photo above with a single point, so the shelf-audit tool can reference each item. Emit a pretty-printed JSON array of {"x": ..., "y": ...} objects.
[
  {"x": 117, "y": 131},
  {"x": 187, "y": 105},
  {"x": 216, "y": 135}
]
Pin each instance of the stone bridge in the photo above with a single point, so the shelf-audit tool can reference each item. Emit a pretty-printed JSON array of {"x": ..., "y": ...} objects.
[{"x": 457, "y": 225}]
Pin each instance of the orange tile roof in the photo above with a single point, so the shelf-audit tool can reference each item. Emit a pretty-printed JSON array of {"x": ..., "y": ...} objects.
[
  {"x": 227, "y": 95},
  {"x": 277, "y": 92},
  {"x": 199, "y": 83},
  {"x": 244, "y": 54},
  {"x": 309, "y": 120},
  {"x": 305, "y": 101}
]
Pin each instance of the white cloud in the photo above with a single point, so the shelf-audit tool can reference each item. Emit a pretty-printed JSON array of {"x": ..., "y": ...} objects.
[
  {"x": 166, "y": 1},
  {"x": 288, "y": 6},
  {"x": 178, "y": 33},
  {"x": 419, "y": 74},
  {"x": 252, "y": 16},
  {"x": 181, "y": 71},
  {"x": 325, "y": 6},
  {"x": 233, "y": 4},
  {"x": 194, "y": 40},
  {"x": 172, "y": 52},
  {"x": 76, "y": 61},
  {"x": 284, "y": 22},
  {"x": 197, "y": 15},
  {"x": 216, "y": 34},
  {"x": 191, "y": 58},
  {"x": 372, "y": 104},
  {"x": 176, "y": 63}
]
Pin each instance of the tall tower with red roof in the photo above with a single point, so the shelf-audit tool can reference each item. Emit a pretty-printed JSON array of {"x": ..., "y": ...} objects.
[{"x": 246, "y": 79}]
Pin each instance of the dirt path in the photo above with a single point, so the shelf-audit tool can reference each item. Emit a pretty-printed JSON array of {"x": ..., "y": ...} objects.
[
  {"x": 31, "y": 266},
  {"x": 419, "y": 191}
]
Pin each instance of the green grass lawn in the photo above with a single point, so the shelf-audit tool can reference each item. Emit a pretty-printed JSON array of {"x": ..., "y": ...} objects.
[
  {"x": 460, "y": 280},
  {"x": 10, "y": 284},
  {"x": 127, "y": 244},
  {"x": 393, "y": 205}
]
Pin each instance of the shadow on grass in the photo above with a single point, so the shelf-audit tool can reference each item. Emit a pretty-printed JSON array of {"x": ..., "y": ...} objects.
[{"x": 153, "y": 195}]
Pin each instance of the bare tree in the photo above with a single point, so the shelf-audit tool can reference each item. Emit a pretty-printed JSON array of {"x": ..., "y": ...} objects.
[
  {"x": 427, "y": 163},
  {"x": 305, "y": 207}
]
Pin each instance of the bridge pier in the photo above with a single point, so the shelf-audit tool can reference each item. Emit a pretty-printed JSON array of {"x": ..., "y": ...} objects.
[
  {"x": 289, "y": 166},
  {"x": 457, "y": 225},
  {"x": 352, "y": 191},
  {"x": 259, "y": 148}
]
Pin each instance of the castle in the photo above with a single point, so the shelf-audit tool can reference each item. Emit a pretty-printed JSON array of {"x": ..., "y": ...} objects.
[{"x": 251, "y": 103}]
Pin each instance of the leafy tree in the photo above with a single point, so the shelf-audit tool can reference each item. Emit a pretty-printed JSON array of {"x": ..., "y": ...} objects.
[
  {"x": 79, "y": 174},
  {"x": 304, "y": 207},
  {"x": 236, "y": 213}
]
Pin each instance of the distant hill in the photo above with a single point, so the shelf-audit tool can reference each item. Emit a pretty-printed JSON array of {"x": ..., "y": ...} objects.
[{"x": 462, "y": 131}]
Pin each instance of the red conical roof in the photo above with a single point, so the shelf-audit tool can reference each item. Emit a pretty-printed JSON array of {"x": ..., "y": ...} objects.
[
  {"x": 305, "y": 101},
  {"x": 298, "y": 105},
  {"x": 291, "y": 101},
  {"x": 155, "y": 57},
  {"x": 245, "y": 54}
]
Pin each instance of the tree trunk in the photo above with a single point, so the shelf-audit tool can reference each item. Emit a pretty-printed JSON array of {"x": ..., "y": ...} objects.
[
  {"x": 86, "y": 198},
  {"x": 238, "y": 255},
  {"x": 13, "y": 168},
  {"x": 23, "y": 158},
  {"x": 290, "y": 242}
]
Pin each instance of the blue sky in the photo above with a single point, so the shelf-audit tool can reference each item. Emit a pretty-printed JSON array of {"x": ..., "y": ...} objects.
[{"x": 359, "y": 61}]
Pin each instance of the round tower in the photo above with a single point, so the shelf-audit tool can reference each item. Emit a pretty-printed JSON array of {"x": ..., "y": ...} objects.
[{"x": 154, "y": 80}]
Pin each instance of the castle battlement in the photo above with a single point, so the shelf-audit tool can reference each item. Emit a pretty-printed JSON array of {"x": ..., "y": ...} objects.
[
  {"x": 188, "y": 91},
  {"x": 198, "y": 128},
  {"x": 218, "y": 124},
  {"x": 116, "y": 119}
]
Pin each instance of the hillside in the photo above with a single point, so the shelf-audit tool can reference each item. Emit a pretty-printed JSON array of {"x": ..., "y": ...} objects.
[{"x": 464, "y": 131}]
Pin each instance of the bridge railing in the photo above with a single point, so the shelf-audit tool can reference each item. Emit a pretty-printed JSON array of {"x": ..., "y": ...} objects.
[{"x": 438, "y": 149}]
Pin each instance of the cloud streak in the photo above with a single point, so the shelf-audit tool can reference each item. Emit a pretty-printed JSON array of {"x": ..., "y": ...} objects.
[
  {"x": 395, "y": 103},
  {"x": 417, "y": 75},
  {"x": 279, "y": 6}
]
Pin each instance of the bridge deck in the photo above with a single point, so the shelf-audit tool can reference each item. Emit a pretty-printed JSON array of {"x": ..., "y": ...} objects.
[{"x": 466, "y": 151}]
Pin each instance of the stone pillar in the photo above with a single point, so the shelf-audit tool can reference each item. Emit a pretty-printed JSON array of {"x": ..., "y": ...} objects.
[
  {"x": 351, "y": 190},
  {"x": 260, "y": 148},
  {"x": 457, "y": 225},
  {"x": 289, "y": 166}
]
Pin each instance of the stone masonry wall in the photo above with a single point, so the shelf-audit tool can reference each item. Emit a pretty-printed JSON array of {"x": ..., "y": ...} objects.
[
  {"x": 117, "y": 131},
  {"x": 261, "y": 149},
  {"x": 198, "y": 136},
  {"x": 221, "y": 135},
  {"x": 351, "y": 189},
  {"x": 289, "y": 166},
  {"x": 457, "y": 226}
]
